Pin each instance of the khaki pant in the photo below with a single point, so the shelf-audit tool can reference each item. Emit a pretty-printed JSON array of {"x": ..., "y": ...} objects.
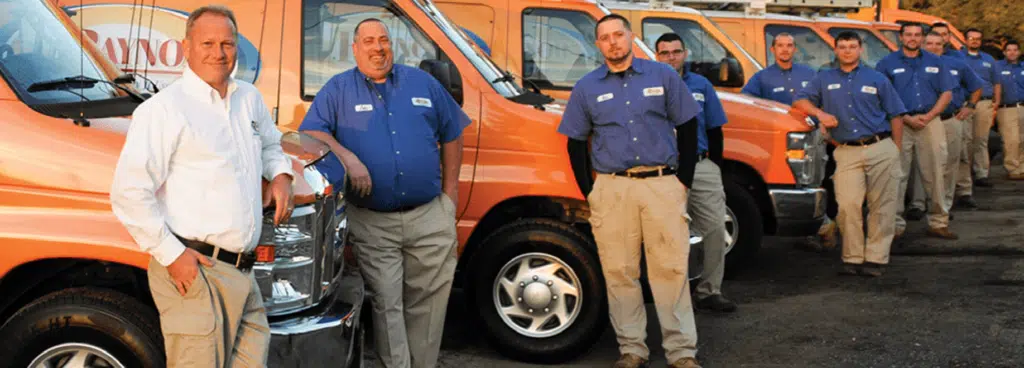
[
  {"x": 220, "y": 322},
  {"x": 408, "y": 261},
  {"x": 624, "y": 213},
  {"x": 874, "y": 172},
  {"x": 1009, "y": 129},
  {"x": 928, "y": 146},
  {"x": 706, "y": 205},
  {"x": 955, "y": 155},
  {"x": 981, "y": 125}
]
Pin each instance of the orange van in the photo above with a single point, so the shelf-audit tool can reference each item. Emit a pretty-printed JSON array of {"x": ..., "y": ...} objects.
[
  {"x": 774, "y": 160},
  {"x": 73, "y": 280},
  {"x": 522, "y": 220}
]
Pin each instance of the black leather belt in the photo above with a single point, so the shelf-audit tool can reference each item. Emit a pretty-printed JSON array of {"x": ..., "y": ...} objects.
[
  {"x": 1009, "y": 105},
  {"x": 242, "y": 261},
  {"x": 405, "y": 208},
  {"x": 646, "y": 174},
  {"x": 947, "y": 116},
  {"x": 868, "y": 140}
]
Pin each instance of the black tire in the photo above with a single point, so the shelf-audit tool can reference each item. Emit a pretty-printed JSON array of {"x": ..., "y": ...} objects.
[
  {"x": 114, "y": 322},
  {"x": 750, "y": 227},
  {"x": 568, "y": 245}
]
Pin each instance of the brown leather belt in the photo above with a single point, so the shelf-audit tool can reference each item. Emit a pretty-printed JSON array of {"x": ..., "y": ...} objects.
[{"x": 242, "y": 261}]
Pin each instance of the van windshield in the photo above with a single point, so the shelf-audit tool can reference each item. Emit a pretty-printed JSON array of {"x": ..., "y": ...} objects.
[
  {"x": 891, "y": 34},
  {"x": 874, "y": 48},
  {"x": 36, "y": 47}
]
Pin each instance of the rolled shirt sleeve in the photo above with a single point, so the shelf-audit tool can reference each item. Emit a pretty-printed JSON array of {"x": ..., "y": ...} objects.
[
  {"x": 576, "y": 122},
  {"x": 714, "y": 114},
  {"x": 141, "y": 170},
  {"x": 812, "y": 92},
  {"x": 891, "y": 102},
  {"x": 753, "y": 86},
  {"x": 972, "y": 81},
  {"x": 323, "y": 111},
  {"x": 451, "y": 118},
  {"x": 679, "y": 102}
]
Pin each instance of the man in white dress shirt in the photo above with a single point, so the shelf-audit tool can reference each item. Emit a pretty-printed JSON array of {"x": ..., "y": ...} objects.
[{"x": 187, "y": 188}]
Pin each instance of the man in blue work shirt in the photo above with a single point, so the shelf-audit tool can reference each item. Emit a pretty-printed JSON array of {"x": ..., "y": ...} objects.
[
  {"x": 706, "y": 201},
  {"x": 642, "y": 120},
  {"x": 925, "y": 86},
  {"x": 979, "y": 124},
  {"x": 385, "y": 122},
  {"x": 780, "y": 82},
  {"x": 1011, "y": 78},
  {"x": 942, "y": 29},
  {"x": 862, "y": 114}
]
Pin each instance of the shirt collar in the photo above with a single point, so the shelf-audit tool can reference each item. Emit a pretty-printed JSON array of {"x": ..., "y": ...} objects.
[
  {"x": 920, "y": 54},
  {"x": 852, "y": 72},
  {"x": 391, "y": 78},
  {"x": 636, "y": 66},
  {"x": 198, "y": 87}
]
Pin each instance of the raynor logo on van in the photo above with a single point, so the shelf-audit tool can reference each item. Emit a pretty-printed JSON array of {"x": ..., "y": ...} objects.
[{"x": 153, "y": 49}]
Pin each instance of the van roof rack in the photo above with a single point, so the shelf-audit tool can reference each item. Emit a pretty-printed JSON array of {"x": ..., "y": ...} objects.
[{"x": 760, "y": 7}]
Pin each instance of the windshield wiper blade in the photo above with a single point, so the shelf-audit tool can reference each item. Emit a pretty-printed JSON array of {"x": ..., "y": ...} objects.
[{"x": 79, "y": 81}]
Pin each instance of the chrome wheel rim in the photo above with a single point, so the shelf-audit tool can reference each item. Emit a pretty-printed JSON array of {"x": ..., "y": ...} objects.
[
  {"x": 75, "y": 355},
  {"x": 537, "y": 295},
  {"x": 732, "y": 228}
]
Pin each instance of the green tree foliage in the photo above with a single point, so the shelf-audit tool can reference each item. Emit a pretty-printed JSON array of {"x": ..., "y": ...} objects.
[{"x": 997, "y": 18}]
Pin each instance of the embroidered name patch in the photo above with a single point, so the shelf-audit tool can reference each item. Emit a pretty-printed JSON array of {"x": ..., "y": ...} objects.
[
  {"x": 779, "y": 89},
  {"x": 954, "y": 72},
  {"x": 1006, "y": 72},
  {"x": 803, "y": 84},
  {"x": 605, "y": 97},
  {"x": 698, "y": 96},
  {"x": 654, "y": 91},
  {"x": 364, "y": 107},
  {"x": 869, "y": 89},
  {"x": 833, "y": 86},
  {"x": 420, "y": 101},
  {"x": 931, "y": 69},
  {"x": 898, "y": 71},
  {"x": 986, "y": 64}
]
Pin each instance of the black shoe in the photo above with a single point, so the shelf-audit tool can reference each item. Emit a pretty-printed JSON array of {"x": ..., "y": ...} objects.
[
  {"x": 716, "y": 303},
  {"x": 849, "y": 269},
  {"x": 914, "y": 214},
  {"x": 965, "y": 202},
  {"x": 871, "y": 270},
  {"x": 982, "y": 182}
]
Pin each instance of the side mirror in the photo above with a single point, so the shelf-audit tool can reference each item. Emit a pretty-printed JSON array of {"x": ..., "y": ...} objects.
[
  {"x": 730, "y": 73},
  {"x": 446, "y": 73}
]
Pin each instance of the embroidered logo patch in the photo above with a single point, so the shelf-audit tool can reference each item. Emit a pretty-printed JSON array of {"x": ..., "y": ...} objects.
[
  {"x": 931, "y": 69},
  {"x": 654, "y": 91},
  {"x": 833, "y": 86},
  {"x": 605, "y": 97},
  {"x": 1006, "y": 72},
  {"x": 869, "y": 89},
  {"x": 898, "y": 70},
  {"x": 954, "y": 72},
  {"x": 364, "y": 107},
  {"x": 986, "y": 64},
  {"x": 803, "y": 84},
  {"x": 779, "y": 89},
  {"x": 255, "y": 128},
  {"x": 698, "y": 96},
  {"x": 420, "y": 101}
]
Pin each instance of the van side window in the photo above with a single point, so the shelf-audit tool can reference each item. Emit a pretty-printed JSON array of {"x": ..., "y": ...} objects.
[
  {"x": 811, "y": 49},
  {"x": 706, "y": 53},
  {"x": 558, "y": 47},
  {"x": 327, "y": 35}
]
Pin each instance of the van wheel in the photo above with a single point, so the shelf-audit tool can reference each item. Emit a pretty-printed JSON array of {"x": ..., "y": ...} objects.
[
  {"x": 538, "y": 289},
  {"x": 744, "y": 228},
  {"x": 83, "y": 327}
]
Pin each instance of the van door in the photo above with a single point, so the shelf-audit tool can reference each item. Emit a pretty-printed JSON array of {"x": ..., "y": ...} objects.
[{"x": 557, "y": 47}]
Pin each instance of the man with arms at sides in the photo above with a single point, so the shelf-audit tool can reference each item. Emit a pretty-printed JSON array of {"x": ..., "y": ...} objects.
[
  {"x": 1011, "y": 78},
  {"x": 925, "y": 87},
  {"x": 384, "y": 122},
  {"x": 187, "y": 188},
  {"x": 861, "y": 112},
  {"x": 706, "y": 201},
  {"x": 980, "y": 123},
  {"x": 642, "y": 119},
  {"x": 781, "y": 82},
  {"x": 942, "y": 29}
]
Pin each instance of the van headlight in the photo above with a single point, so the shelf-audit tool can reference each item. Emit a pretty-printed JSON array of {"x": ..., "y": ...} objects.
[{"x": 805, "y": 154}]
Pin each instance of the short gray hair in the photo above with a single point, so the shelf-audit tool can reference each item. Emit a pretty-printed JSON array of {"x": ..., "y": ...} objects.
[{"x": 212, "y": 9}]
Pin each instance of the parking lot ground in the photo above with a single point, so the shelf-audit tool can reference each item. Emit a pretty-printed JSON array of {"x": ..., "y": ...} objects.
[{"x": 940, "y": 304}]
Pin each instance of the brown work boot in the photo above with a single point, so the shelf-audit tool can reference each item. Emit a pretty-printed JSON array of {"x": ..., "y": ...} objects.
[
  {"x": 942, "y": 232},
  {"x": 829, "y": 234},
  {"x": 685, "y": 363},
  {"x": 630, "y": 361},
  {"x": 849, "y": 269},
  {"x": 871, "y": 270}
]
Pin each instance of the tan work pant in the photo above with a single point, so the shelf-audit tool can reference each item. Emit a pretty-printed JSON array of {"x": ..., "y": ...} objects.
[
  {"x": 981, "y": 125},
  {"x": 408, "y": 261},
  {"x": 956, "y": 156},
  {"x": 623, "y": 213},
  {"x": 1009, "y": 129},
  {"x": 219, "y": 322},
  {"x": 706, "y": 204},
  {"x": 928, "y": 146},
  {"x": 874, "y": 172}
]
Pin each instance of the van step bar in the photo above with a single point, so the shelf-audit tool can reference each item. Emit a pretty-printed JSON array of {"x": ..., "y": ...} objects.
[{"x": 760, "y": 7}]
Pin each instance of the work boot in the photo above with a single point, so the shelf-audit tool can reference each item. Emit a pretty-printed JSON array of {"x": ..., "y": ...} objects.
[
  {"x": 983, "y": 182},
  {"x": 871, "y": 270},
  {"x": 828, "y": 233},
  {"x": 716, "y": 303},
  {"x": 914, "y": 214},
  {"x": 965, "y": 202},
  {"x": 942, "y": 232},
  {"x": 849, "y": 269},
  {"x": 630, "y": 361},
  {"x": 685, "y": 363}
]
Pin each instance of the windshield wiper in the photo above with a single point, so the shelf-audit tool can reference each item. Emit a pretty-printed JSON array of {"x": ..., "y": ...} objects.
[
  {"x": 509, "y": 77},
  {"x": 79, "y": 81}
]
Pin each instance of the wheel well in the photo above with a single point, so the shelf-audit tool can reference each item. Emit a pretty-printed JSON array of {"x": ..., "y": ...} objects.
[
  {"x": 571, "y": 211},
  {"x": 30, "y": 281},
  {"x": 751, "y": 180}
]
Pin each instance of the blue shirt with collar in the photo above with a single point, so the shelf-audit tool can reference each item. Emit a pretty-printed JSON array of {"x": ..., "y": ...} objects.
[
  {"x": 393, "y": 128},
  {"x": 777, "y": 84},
  {"x": 964, "y": 80},
  {"x": 863, "y": 101},
  {"x": 919, "y": 80},
  {"x": 632, "y": 115},
  {"x": 1011, "y": 78},
  {"x": 951, "y": 52},
  {"x": 713, "y": 115},
  {"x": 984, "y": 65}
]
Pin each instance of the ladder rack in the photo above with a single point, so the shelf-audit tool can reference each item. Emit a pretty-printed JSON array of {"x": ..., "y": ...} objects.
[{"x": 760, "y": 7}]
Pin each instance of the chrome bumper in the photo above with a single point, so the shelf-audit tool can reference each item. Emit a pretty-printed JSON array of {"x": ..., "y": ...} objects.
[
  {"x": 329, "y": 332},
  {"x": 798, "y": 212}
]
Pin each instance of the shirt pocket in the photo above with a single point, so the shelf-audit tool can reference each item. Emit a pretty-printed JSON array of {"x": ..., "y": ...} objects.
[{"x": 357, "y": 116}]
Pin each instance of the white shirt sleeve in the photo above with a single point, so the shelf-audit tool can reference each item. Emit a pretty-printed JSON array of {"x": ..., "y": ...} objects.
[
  {"x": 141, "y": 170},
  {"x": 274, "y": 160}
]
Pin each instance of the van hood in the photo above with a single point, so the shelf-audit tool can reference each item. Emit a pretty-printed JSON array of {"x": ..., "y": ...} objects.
[
  {"x": 767, "y": 114},
  {"x": 754, "y": 101}
]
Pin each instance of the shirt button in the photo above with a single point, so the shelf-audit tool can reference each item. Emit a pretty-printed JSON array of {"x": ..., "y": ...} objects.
[
  {"x": 397, "y": 152},
  {"x": 625, "y": 84},
  {"x": 627, "y": 102},
  {"x": 389, "y": 114},
  {"x": 403, "y": 193},
  {"x": 392, "y": 132},
  {"x": 634, "y": 139},
  {"x": 637, "y": 157},
  {"x": 631, "y": 122},
  {"x": 401, "y": 173}
]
